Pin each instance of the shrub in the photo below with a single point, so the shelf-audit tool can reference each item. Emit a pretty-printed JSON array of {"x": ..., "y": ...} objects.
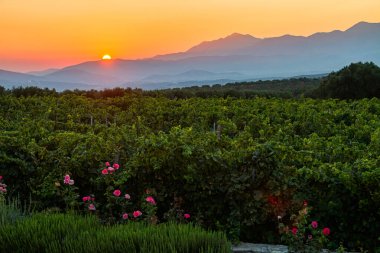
[{"x": 303, "y": 235}]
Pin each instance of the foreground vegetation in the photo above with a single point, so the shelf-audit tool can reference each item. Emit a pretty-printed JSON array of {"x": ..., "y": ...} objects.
[
  {"x": 72, "y": 233},
  {"x": 235, "y": 165}
]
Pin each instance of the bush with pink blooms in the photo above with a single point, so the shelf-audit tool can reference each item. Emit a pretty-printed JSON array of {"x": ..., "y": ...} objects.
[
  {"x": 68, "y": 191},
  {"x": 301, "y": 234},
  {"x": 116, "y": 205},
  {"x": 149, "y": 205},
  {"x": 112, "y": 197},
  {"x": 89, "y": 203}
]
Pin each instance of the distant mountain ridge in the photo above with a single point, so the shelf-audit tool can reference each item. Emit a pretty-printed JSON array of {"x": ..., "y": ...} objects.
[
  {"x": 246, "y": 56},
  {"x": 239, "y": 44},
  {"x": 42, "y": 72}
]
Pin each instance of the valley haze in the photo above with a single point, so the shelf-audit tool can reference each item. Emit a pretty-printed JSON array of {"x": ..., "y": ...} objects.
[{"x": 237, "y": 57}]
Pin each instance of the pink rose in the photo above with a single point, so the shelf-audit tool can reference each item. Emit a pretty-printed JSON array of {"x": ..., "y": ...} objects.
[
  {"x": 127, "y": 196},
  {"x": 294, "y": 230},
  {"x": 66, "y": 179},
  {"x": 116, "y": 166},
  {"x": 105, "y": 172},
  {"x": 314, "y": 224},
  {"x": 85, "y": 199},
  {"x": 110, "y": 169},
  {"x": 125, "y": 216},
  {"x": 137, "y": 214},
  {"x": 117, "y": 193},
  {"x": 91, "y": 207},
  {"x": 326, "y": 231},
  {"x": 1, "y": 177},
  {"x": 108, "y": 164},
  {"x": 186, "y": 216},
  {"x": 71, "y": 182},
  {"x": 151, "y": 200}
]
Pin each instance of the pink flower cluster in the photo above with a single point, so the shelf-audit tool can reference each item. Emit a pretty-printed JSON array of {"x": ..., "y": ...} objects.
[
  {"x": 68, "y": 180},
  {"x": 88, "y": 198},
  {"x": 326, "y": 231},
  {"x": 88, "y": 201},
  {"x": 117, "y": 193},
  {"x": 314, "y": 225},
  {"x": 109, "y": 169},
  {"x": 151, "y": 200},
  {"x": 186, "y": 216},
  {"x": 3, "y": 187},
  {"x": 137, "y": 213}
]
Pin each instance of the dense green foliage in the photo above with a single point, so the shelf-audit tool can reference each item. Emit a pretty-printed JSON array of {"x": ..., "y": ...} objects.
[
  {"x": 71, "y": 233},
  {"x": 220, "y": 159},
  {"x": 359, "y": 80}
]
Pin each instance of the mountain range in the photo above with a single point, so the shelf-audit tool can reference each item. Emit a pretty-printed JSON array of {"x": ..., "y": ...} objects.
[{"x": 236, "y": 57}]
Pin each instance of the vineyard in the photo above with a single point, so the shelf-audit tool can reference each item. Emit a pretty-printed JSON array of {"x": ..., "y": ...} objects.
[{"x": 235, "y": 165}]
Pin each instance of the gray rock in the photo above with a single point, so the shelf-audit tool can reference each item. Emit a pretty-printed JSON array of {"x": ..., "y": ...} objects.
[
  {"x": 259, "y": 248},
  {"x": 265, "y": 248}
]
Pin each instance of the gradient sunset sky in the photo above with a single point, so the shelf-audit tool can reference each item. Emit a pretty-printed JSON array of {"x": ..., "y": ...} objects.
[{"x": 40, "y": 34}]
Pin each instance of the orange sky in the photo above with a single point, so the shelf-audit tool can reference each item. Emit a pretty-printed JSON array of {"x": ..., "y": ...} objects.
[{"x": 38, "y": 34}]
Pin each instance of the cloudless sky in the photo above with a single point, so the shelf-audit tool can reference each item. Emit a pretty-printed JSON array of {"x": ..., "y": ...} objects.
[{"x": 39, "y": 34}]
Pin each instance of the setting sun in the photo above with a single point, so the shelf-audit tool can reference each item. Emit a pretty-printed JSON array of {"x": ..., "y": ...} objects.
[{"x": 106, "y": 57}]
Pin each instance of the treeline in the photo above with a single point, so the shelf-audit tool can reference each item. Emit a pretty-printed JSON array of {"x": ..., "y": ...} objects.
[
  {"x": 356, "y": 81},
  {"x": 285, "y": 88}
]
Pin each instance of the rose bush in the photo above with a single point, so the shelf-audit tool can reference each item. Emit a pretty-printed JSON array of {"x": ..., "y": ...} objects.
[{"x": 305, "y": 236}]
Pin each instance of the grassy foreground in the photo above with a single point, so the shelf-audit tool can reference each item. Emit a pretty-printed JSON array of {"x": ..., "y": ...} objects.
[{"x": 74, "y": 233}]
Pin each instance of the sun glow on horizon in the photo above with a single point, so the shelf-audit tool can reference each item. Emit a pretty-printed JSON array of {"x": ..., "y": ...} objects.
[
  {"x": 106, "y": 57},
  {"x": 144, "y": 29}
]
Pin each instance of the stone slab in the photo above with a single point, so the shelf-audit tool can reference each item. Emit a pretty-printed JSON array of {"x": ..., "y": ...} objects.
[{"x": 259, "y": 248}]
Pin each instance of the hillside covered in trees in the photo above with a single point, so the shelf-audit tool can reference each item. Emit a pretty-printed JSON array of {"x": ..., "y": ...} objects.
[{"x": 356, "y": 81}]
